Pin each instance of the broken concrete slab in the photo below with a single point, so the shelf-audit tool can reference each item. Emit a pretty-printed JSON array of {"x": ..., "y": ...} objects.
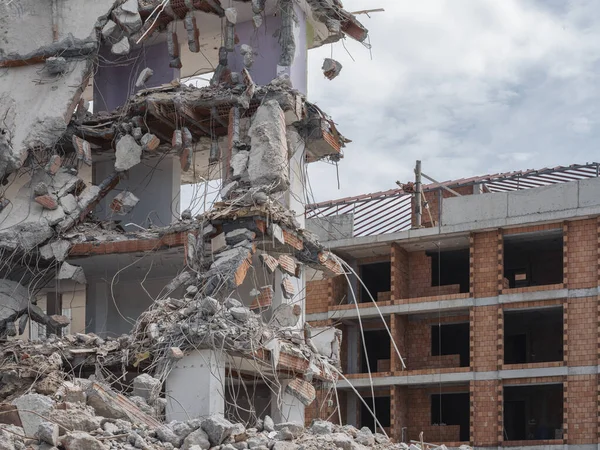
[
  {"x": 69, "y": 204},
  {"x": 241, "y": 314},
  {"x": 218, "y": 243},
  {"x": 121, "y": 47},
  {"x": 57, "y": 250},
  {"x": 40, "y": 188},
  {"x": 69, "y": 272},
  {"x": 228, "y": 189},
  {"x": 14, "y": 298},
  {"x": 268, "y": 164},
  {"x": 143, "y": 77},
  {"x": 239, "y": 163},
  {"x": 78, "y": 440},
  {"x": 217, "y": 429},
  {"x": 48, "y": 432},
  {"x": 239, "y": 235},
  {"x": 32, "y": 410},
  {"x": 123, "y": 203},
  {"x": 146, "y": 386},
  {"x": 196, "y": 440},
  {"x": 128, "y": 153}
]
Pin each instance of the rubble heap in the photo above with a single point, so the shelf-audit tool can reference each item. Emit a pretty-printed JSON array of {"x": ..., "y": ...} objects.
[{"x": 83, "y": 414}]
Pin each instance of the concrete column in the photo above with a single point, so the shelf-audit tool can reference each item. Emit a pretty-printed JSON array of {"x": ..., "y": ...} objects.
[
  {"x": 267, "y": 50},
  {"x": 285, "y": 407},
  {"x": 115, "y": 77},
  {"x": 196, "y": 386},
  {"x": 96, "y": 308}
]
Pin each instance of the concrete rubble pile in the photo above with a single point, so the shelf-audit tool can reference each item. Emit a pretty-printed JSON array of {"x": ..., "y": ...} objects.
[{"x": 79, "y": 416}]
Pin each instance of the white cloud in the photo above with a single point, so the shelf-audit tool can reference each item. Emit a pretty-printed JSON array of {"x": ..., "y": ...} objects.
[{"x": 467, "y": 87}]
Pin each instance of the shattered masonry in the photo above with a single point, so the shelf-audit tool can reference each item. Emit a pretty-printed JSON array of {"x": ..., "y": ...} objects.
[{"x": 88, "y": 209}]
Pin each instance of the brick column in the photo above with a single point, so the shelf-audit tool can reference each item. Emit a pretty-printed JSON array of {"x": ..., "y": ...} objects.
[
  {"x": 399, "y": 275},
  {"x": 581, "y": 251},
  {"x": 398, "y": 326},
  {"x": 484, "y": 413},
  {"x": 485, "y": 264},
  {"x": 398, "y": 411}
]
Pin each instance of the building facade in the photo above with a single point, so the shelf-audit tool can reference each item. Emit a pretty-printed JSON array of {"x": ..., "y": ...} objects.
[{"x": 492, "y": 311}]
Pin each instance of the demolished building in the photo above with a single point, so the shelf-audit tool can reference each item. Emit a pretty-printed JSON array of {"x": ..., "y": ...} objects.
[
  {"x": 492, "y": 303},
  {"x": 97, "y": 266}
]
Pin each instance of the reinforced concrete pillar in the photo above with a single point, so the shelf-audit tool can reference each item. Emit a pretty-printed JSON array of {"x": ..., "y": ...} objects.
[
  {"x": 285, "y": 407},
  {"x": 196, "y": 386}
]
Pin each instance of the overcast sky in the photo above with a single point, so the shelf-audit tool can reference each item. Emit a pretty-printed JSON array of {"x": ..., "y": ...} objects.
[{"x": 468, "y": 86}]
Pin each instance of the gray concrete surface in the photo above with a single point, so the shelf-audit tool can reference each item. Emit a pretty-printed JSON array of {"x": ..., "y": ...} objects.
[{"x": 331, "y": 228}]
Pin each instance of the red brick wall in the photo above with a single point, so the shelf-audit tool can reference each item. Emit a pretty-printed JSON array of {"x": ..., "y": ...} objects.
[
  {"x": 582, "y": 331},
  {"x": 338, "y": 290},
  {"x": 399, "y": 281},
  {"x": 399, "y": 329},
  {"x": 419, "y": 416},
  {"x": 317, "y": 296},
  {"x": 419, "y": 344},
  {"x": 582, "y": 409},
  {"x": 485, "y": 413},
  {"x": 484, "y": 337},
  {"x": 582, "y": 253},
  {"x": 399, "y": 411},
  {"x": 419, "y": 274},
  {"x": 485, "y": 264}
]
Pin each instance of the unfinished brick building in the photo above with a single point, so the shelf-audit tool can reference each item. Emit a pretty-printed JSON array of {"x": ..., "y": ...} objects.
[{"x": 492, "y": 304}]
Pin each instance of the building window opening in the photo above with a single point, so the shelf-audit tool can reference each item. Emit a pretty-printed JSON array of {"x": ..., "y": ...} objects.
[
  {"x": 377, "y": 279},
  {"x": 533, "y": 412},
  {"x": 451, "y": 339},
  {"x": 452, "y": 410},
  {"x": 533, "y": 259},
  {"x": 450, "y": 267},
  {"x": 533, "y": 336},
  {"x": 378, "y": 347},
  {"x": 382, "y": 411}
]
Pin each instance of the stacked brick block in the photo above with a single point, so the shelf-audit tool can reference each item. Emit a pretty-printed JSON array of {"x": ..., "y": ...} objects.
[{"x": 411, "y": 279}]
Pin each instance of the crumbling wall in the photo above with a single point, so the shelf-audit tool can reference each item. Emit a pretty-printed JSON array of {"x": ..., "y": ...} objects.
[{"x": 37, "y": 102}]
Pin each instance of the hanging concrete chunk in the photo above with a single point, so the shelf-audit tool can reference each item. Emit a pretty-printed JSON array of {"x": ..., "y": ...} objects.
[
  {"x": 193, "y": 32},
  {"x": 83, "y": 149},
  {"x": 143, "y": 77},
  {"x": 109, "y": 29},
  {"x": 121, "y": 47},
  {"x": 331, "y": 68},
  {"x": 239, "y": 162},
  {"x": 302, "y": 390},
  {"x": 69, "y": 272},
  {"x": 149, "y": 142},
  {"x": 128, "y": 20},
  {"x": 268, "y": 164},
  {"x": 124, "y": 203},
  {"x": 128, "y": 153},
  {"x": 248, "y": 55},
  {"x": 287, "y": 288},
  {"x": 55, "y": 65}
]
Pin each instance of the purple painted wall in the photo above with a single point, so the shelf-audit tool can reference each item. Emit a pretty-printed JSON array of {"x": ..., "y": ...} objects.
[
  {"x": 267, "y": 51},
  {"x": 114, "y": 80}
]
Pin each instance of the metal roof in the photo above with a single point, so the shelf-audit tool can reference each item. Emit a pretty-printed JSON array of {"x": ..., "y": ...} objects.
[{"x": 390, "y": 211}]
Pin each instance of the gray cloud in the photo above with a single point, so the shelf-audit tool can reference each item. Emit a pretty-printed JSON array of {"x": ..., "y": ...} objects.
[{"x": 467, "y": 87}]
